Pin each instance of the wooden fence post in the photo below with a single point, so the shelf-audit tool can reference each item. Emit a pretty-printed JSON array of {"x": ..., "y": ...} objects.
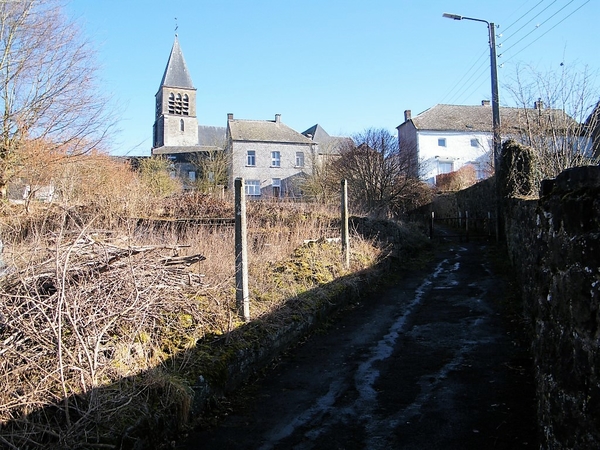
[{"x": 242, "y": 297}]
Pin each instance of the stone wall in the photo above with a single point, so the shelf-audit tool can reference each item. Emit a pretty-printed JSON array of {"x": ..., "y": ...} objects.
[
  {"x": 554, "y": 245},
  {"x": 478, "y": 200}
]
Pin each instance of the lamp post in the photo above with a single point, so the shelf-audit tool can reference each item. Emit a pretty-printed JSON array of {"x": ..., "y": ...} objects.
[
  {"x": 495, "y": 114},
  {"x": 495, "y": 98}
]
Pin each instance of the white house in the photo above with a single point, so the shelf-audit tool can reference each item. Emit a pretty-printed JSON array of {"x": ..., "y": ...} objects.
[{"x": 446, "y": 138}]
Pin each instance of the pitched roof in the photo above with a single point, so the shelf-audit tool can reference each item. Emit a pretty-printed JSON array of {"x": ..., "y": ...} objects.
[
  {"x": 264, "y": 131},
  {"x": 176, "y": 73},
  {"x": 318, "y": 133},
  {"x": 479, "y": 118},
  {"x": 211, "y": 136},
  {"x": 165, "y": 150}
]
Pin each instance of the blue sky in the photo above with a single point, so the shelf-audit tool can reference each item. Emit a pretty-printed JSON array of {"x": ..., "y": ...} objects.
[{"x": 347, "y": 65}]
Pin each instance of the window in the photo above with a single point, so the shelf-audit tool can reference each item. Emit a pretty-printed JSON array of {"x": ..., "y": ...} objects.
[
  {"x": 444, "y": 167},
  {"x": 276, "y": 187},
  {"x": 171, "y": 103},
  {"x": 181, "y": 125},
  {"x": 275, "y": 159},
  {"x": 185, "y": 109},
  {"x": 251, "y": 159},
  {"x": 253, "y": 187},
  {"x": 441, "y": 142},
  {"x": 299, "y": 159},
  {"x": 192, "y": 175},
  {"x": 474, "y": 142},
  {"x": 179, "y": 104}
]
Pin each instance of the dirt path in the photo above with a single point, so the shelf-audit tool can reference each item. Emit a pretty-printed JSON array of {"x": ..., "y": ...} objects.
[{"x": 427, "y": 364}]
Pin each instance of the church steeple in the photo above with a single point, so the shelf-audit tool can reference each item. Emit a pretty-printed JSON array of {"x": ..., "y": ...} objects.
[
  {"x": 176, "y": 73},
  {"x": 175, "y": 123}
]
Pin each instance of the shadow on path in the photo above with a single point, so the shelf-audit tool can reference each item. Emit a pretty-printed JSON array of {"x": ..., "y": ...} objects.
[{"x": 434, "y": 362}]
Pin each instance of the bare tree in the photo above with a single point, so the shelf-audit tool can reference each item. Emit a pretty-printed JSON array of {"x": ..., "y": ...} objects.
[
  {"x": 321, "y": 183},
  {"x": 47, "y": 84},
  {"x": 212, "y": 166},
  {"x": 553, "y": 108},
  {"x": 378, "y": 173}
]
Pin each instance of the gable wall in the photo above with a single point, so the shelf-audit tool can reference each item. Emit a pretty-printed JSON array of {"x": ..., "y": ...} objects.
[{"x": 458, "y": 150}]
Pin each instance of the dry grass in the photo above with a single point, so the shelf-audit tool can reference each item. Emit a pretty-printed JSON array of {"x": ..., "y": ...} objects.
[{"x": 100, "y": 317}]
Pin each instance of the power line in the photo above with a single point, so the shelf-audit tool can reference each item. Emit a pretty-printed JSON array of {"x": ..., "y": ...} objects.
[
  {"x": 459, "y": 83},
  {"x": 460, "y": 87},
  {"x": 538, "y": 26},
  {"x": 476, "y": 70},
  {"x": 548, "y": 31},
  {"x": 477, "y": 75},
  {"x": 534, "y": 17}
]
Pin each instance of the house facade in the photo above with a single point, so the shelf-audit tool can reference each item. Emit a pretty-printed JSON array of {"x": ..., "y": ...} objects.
[
  {"x": 272, "y": 158},
  {"x": 446, "y": 138}
]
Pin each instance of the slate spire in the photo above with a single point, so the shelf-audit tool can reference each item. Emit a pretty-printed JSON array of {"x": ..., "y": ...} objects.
[{"x": 176, "y": 73}]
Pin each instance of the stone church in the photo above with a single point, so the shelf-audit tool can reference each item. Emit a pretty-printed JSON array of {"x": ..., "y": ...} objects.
[{"x": 270, "y": 156}]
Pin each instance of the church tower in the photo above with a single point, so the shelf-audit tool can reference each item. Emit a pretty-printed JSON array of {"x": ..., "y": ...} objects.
[{"x": 176, "y": 124}]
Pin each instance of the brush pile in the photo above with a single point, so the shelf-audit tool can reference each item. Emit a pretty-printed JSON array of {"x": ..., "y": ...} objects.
[{"x": 89, "y": 311}]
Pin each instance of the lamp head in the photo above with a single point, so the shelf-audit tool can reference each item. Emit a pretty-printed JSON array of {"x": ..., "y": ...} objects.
[{"x": 452, "y": 16}]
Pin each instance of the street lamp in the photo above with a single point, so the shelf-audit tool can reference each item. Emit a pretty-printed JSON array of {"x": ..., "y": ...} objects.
[{"x": 495, "y": 99}]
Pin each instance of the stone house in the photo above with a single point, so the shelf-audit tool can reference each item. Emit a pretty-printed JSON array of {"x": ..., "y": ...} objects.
[{"x": 270, "y": 156}]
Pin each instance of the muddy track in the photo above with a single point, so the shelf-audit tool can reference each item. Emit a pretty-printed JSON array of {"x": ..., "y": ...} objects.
[{"x": 431, "y": 363}]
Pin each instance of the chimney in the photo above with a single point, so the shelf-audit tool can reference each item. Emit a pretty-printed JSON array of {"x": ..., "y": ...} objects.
[
  {"x": 539, "y": 104},
  {"x": 230, "y": 116},
  {"x": 277, "y": 118},
  {"x": 485, "y": 103},
  {"x": 407, "y": 115}
]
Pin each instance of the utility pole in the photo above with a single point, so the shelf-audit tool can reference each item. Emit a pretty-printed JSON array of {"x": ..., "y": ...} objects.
[
  {"x": 495, "y": 98},
  {"x": 496, "y": 138}
]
